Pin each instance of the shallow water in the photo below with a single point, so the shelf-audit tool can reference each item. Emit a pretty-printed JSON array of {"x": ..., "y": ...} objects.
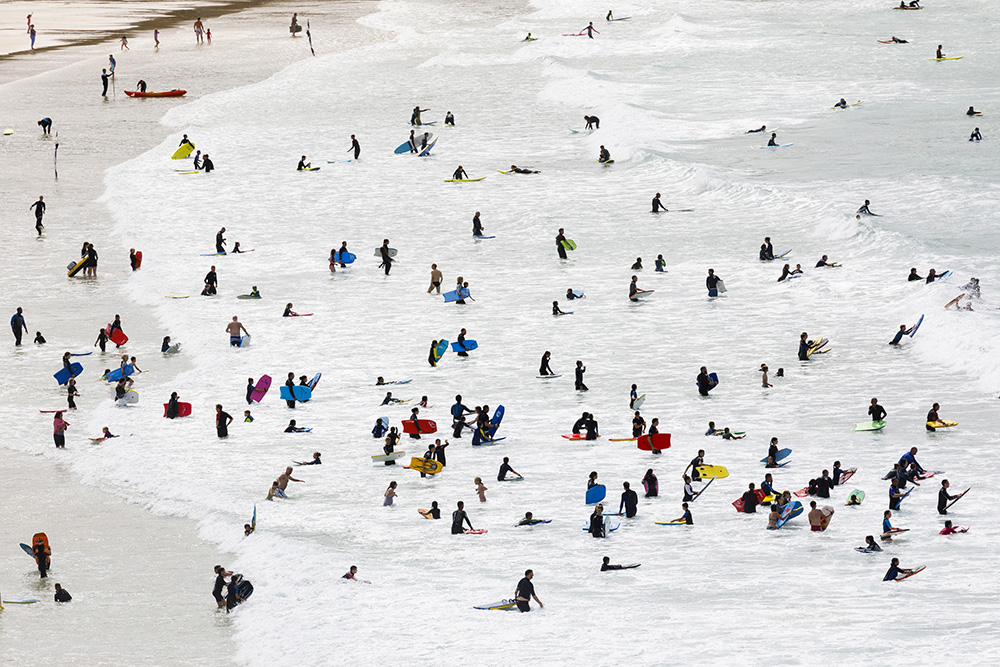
[{"x": 675, "y": 92}]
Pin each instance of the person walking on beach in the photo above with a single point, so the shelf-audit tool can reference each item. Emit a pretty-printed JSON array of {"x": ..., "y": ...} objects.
[
  {"x": 124, "y": 43},
  {"x": 199, "y": 30},
  {"x": 39, "y": 207},
  {"x": 18, "y": 326},
  {"x": 222, "y": 421},
  {"x": 355, "y": 146},
  {"x": 104, "y": 81},
  {"x": 156, "y": 39},
  {"x": 32, "y": 33}
]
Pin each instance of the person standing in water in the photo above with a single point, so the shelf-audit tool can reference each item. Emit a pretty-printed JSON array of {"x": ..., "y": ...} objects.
[
  {"x": 199, "y": 30},
  {"x": 222, "y": 421},
  {"x": 657, "y": 204},
  {"x": 580, "y": 370},
  {"x": 590, "y": 30},
  {"x": 560, "y": 241},
  {"x": 234, "y": 328},
  {"x": 458, "y": 517},
  {"x": 712, "y": 283},
  {"x": 477, "y": 225},
  {"x": 876, "y": 411},
  {"x": 18, "y": 326},
  {"x": 105, "y": 77},
  {"x": 436, "y": 279},
  {"x": 355, "y": 146},
  {"x": 605, "y": 156},
  {"x": 460, "y": 174},
  {"x": 387, "y": 260},
  {"x": 39, "y": 207},
  {"x": 525, "y": 592}
]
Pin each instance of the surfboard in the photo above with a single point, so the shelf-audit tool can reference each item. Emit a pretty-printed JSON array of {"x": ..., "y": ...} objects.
[
  {"x": 622, "y": 439},
  {"x": 637, "y": 403},
  {"x": 817, "y": 346},
  {"x": 714, "y": 377},
  {"x": 869, "y": 426},
  {"x": 715, "y": 472},
  {"x": 739, "y": 504},
  {"x": 382, "y": 458},
  {"x": 392, "y": 252},
  {"x": 569, "y": 244},
  {"x": 260, "y": 389},
  {"x": 547, "y": 377},
  {"x": 315, "y": 381},
  {"x": 182, "y": 151},
  {"x": 464, "y": 180},
  {"x": 466, "y": 346},
  {"x": 298, "y": 392},
  {"x": 27, "y": 550},
  {"x": 480, "y": 236},
  {"x": 455, "y": 295},
  {"x": 81, "y": 354},
  {"x": 858, "y": 493},
  {"x": 179, "y": 296},
  {"x": 792, "y": 510},
  {"x": 19, "y": 602},
  {"x": 75, "y": 266},
  {"x": 241, "y": 296},
  {"x": 624, "y": 18},
  {"x": 138, "y": 259},
  {"x": 430, "y": 467},
  {"x": 342, "y": 257},
  {"x": 609, "y": 526},
  {"x": 337, "y": 162},
  {"x": 495, "y": 421},
  {"x": 116, "y": 374},
  {"x": 64, "y": 374},
  {"x": 427, "y": 149},
  {"x": 427, "y": 426},
  {"x": 782, "y": 453},
  {"x": 117, "y": 336},
  {"x": 596, "y": 494},
  {"x": 780, "y": 146},
  {"x": 908, "y": 8},
  {"x": 957, "y": 498},
  {"x": 917, "y": 326},
  {"x": 847, "y": 474},
  {"x": 950, "y": 58},
  {"x": 130, "y": 398},
  {"x": 577, "y": 436},
  {"x": 503, "y": 604},
  {"x": 300, "y": 430},
  {"x": 183, "y": 409},
  {"x": 309, "y": 169},
  {"x": 670, "y": 523},
  {"x": 8, "y": 132},
  {"x": 657, "y": 441},
  {"x": 942, "y": 423},
  {"x": 837, "y": 106},
  {"x": 916, "y": 570}
]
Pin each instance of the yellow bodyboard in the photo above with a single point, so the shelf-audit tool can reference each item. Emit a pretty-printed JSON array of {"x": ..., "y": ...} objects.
[{"x": 182, "y": 152}]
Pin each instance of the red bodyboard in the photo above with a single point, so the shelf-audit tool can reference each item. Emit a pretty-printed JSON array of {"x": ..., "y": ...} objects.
[
  {"x": 656, "y": 441},
  {"x": 738, "y": 503},
  {"x": 183, "y": 409},
  {"x": 426, "y": 426},
  {"x": 117, "y": 336}
]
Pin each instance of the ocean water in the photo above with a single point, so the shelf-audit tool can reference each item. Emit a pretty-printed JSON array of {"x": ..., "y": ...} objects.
[{"x": 676, "y": 87}]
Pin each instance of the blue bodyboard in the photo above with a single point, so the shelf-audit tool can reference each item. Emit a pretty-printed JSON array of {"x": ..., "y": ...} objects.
[
  {"x": 464, "y": 347},
  {"x": 917, "y": 326},
  {"x": 299, "y": 392},
  {"x": 344, "y": 257},
  {"x": 782, "y": 453},
  {"x": 64, "y": 375},
  {"x": 116, "y": 374},
  {"x": 495, "y": 422},
  {"x": 596, "y": 494},
  {"x": 455, "y": 295}
]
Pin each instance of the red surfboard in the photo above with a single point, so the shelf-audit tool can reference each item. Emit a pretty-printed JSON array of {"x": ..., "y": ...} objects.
[
  {"x": 426, "y": 426},
  {"x": 658, "y": 441},
  {"x": 738, "y": 503},
  {"x": 138, "y": 259},
  {"x": 183, "y": 409},
  {"x": 117, "y": 336}
]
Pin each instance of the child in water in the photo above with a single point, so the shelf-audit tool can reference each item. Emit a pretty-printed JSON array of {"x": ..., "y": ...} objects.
[{"x": 481, "y": 489}]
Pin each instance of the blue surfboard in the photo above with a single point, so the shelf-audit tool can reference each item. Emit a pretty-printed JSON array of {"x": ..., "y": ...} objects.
[
  {"x": 480, "y": 236},
  {"x": 116, "y": 374},
  {"x": 791, "y": 511},
  {"x": 344, "y": 257},
  {"x": 609, "y": 526},
  {"x": 63, "y": 376},
  {"x": 455, "y": 295},
  {"x": 495, "y": 422},
  {"x": 782, "y": 453},
  {"x": 917, "y": 326},
  {"x": 714, "y": 377},
  {"x": 427, "y": 151},
  {"x": 27, "y": 549},
  {"x": 464, "y": 347},
  {"x": 596, "y": 494},
  {"x": 299, "y": 392}
]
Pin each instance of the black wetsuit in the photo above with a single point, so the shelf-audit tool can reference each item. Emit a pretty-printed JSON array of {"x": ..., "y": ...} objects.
[
  {"x": 386, "y": 260},
  {"x": 62, "y": 595},
  {"x": 42, "y": 559},
  {"x": 458, "y": 412},
  {"x": 657, "y": 206},
  {"x": 356, "y": 147},
  {"x": 695, "y": 462},
  {"x": 596, "y": 525},
  {"x": 638, "y": 426},
  {"x": 943, "y": 498},
  {"x": 220, "y": 584},
  {"x": 104, "y": 81},
  {"x": 172, "y": 409},
  {"x": 704, "y": 383},
  {"x": 39, "y": 207},
  {"x": 580, "y": 370},
  {"x": 559, "y": 246},
  {"x": 579, "y": 425},
  {"x": 876, "y": 412},
  {"x": 212, "y": 280},
  {"x": 461, "y": 345},
  {"x": 544, "y": 369},
  {"x": 222, "y": 424},
  {"x": 525, "y": 589},
  {"x": 591, "y": 427},
  {"x": 291, "y": 390},
  {"x": 477, "y": 226},
  {"x": 823, "y": 486},
  {"x": 504, "y": 469},
  {"x": 457, "y": 518},
  {"x": 630, "y": 500},
  {"x": 207, "y": 165},
  {"x": 712, "y": 283},
  {"x": 750, "y": 501},
  {"x": 219, "y": 240},
  {"x": 803, "y": 349}
]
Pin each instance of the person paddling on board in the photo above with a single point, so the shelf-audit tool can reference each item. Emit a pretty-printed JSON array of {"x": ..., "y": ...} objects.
[
  {"x": 864, "y": 210},
  {"x": 526, "y": 39},
  {"x": 897, "y": 40},
  {"x": 842, "y": 104},
  {"x": 605, "y": 155},
  {"x": 762, "y": 128},
  {"x": 460, "y": 174},
  {"x": 895, "y": 570},
  {"x": 939, "y": 55},
  {"x": 303, "y": 165},
  {"x": 824, "y": 262},
  {"x": 773, "y": 141},
  {"x": 657, "y": 204},
  {"x": 589, "y": 30},
  {"x": 660, "y": 264},
  {"x": 972, "y": 112},
  {"x": 975, "y": 136},
  {"x": 518, "y": 170}
]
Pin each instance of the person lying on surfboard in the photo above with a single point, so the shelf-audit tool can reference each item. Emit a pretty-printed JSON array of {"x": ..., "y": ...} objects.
[
  {"x": 972, "y": 112},
  {"x": 517, "y": 170},
  {"x": 951, "y": 530},
  {"x": 895, "y": 570},
  {"x": 315, "y": 461},
  {"x": 842, "y": 104},
  {"x": 762, "y": 128},
  {"x": 896, "y": 40},
  {"x": 292, "y": 428}
]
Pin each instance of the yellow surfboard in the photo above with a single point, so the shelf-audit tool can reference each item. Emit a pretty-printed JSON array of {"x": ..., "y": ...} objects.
[
  {"x": 74, "y": 268},
  {"x": 942, "y": 423},
  {"x": 182, "y": 152},
  {"x": 718, "y": 472},
  {"x": 429, "y": 467}
]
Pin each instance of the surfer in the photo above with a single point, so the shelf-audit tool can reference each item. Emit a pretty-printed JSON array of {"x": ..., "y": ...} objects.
[
  {"x": 518, "y": 170},
  {"x": 558, "y": 311},
  {"x": 903, "y": 331},
  {"x": 504, "y": 469},
  {"x": 712, "y": 283},
  {"x": 895, "y": 497},
  {"x": 913, "y": 275},
  {"x": 773, "y": 141},
  {"x": 560, "y": 243},
  {"x": 932, "y": 417},
  {"x": 597, "y": 527},
  {"x": 433, "y": 513},
  {"x": 19, "y": 327},
  {"x": 975, "y": 136},
  {"x": 686, "y": 517},
  {"x": 864, "y": 210},
  {"x": 944, "y": 497},
  {"x": 705, "y": 383},
  {"x": 449, "y": 119},
  {"x": 764, "y": 383},
  {"x": 772, "y": 454},
  {"x": 696, "y": 463},
  {"x": 894, "y": 569},
  {"x": 591, "y": 427},
  {"x": 458, "y": 412},
  {"x": 211, "y": 282},
  {"x": 633, "y": 288},
  {"x": 477, "y": 225},
  {"x": 580, "y": 370},
  {"x": 660, "y": 264},
  {"x": 762, "y": 128},
  {"x": 896, "y": 40},
  {"x": 590, "y": 30},
  {"x": 750, "y": 500},
  {"x": 803, "y": 346},
  {"x": 785, "y": 272},
  {"x": 39, "y": 338},
  {"x": 971, "y": 112},
  {"x": 689, "y": 493},
  {"x": 638, "y": 425},
  {"x": 289, "y": 312},
  {"x": 525, "y": 592},
  {"x": 638, "y": 264},
  {"x": 876, "y": 411},
  {"x": 104, "y": 81},
  {"x": 766, "y": 250},
  {"x": 458, "y": 517},
  {"x": 767, "y": 486},
  {"x": 415, "y": 116},
  {"x": 939, "y": 55},
  {"x": 222, "y": 420},
  {"x": 39, "y": 207},
  {"x": 432, "y": 357},
  {"x": 355, "y": 146},
  {"x": 173, "y": 408},
  {"x": 951, "y": 530},
  {"x": 461, "y": 344},
  {"x": 609, "y": 17},
  {"x": 207, "y": 165},
  {"x": 650, "y": 484},
  {"x": 387, "y": 260},
  {"x": 824, "y": 262},
  {"x": 292, "y": 428},
  {"x": 220, "y": 239},
  {"x": 303, "y": 165},
  {"x": 657, "y": 204},
  {"x": 593, "y": 122},
  {"x": 842, "y": 104},
  {"x": 234, "y": 328},
  {"x": 887, "y": 530},
  {"x": 46, "y": 125},
  {"x": 605, "y": 155}
]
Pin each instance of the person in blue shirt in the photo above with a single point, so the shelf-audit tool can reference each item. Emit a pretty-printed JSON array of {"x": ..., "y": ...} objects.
[
  {"x": 380, "y": 428},
  {"x": 767, "y": 486},
  {"x": 887, "y": 529},
  {"x": 903, "y": 331},
  {"x": 686, "y": 517},
  {"x": 458, "y": 412},
  {"x": 895, "y": 497},
  {"x": 895, "y": 570},
  {"x": 910, "y": 458},
  {"x": 18, "y": 326}
]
